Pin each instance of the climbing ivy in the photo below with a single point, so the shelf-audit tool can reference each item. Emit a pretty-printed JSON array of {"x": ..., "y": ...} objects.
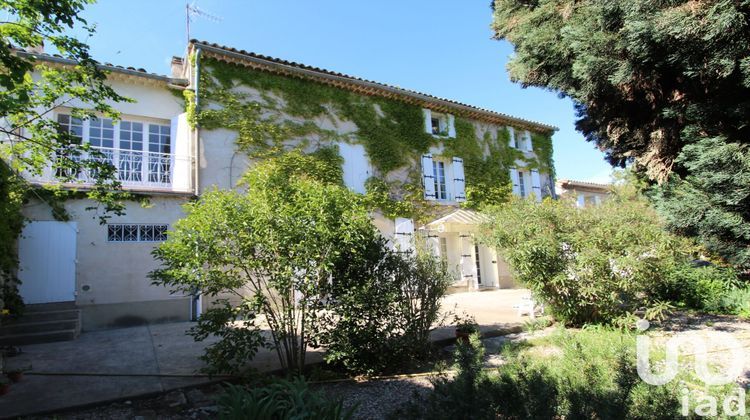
[{"x": 277, "y": 115}]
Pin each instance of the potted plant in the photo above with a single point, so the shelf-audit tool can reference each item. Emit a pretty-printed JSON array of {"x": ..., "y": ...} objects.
[
  {"x": 465, "y": 327},
  {"x": 4, "y": 385},
  {"x": 14, "y": 375}
]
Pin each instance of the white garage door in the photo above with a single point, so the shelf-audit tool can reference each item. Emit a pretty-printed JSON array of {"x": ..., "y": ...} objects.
[{"x": 47, "y": 257}]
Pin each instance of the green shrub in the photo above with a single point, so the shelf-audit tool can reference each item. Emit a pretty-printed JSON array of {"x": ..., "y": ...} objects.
[
  {"x": 589, "y": 265},
  {"x": 382, "y": 309},
  {"x": 700, "y": 288},
  {"x": 737, "y": 302},
  {"x": 282, "y": 399},
  {"x": 586, "y": 374},
  {"x": 272, "y": 249}
]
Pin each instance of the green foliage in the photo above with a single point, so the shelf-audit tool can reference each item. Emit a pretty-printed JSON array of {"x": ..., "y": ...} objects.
[
  {"x": 23, "y": 98},
  {"x": 33, "y": 143},
  {"x": 589, "y": 265},
  {"x": 392, "y": 132},
  {"x": 12, "y": 196},
  {"x": 378, "y": 195},
  {"x": 737, "y": 301},
  {"x": 709, "y": 289},
  {"x": 663, "y": 84},
  {"x": 281, "y": 399},
  {"x": 712, "y": 202},
  {"x": 382, "y": 309},
  {"x": 585, "y": 374},
  {"x": 240, "y": 337},
  {"x": 272, "y": 250}
]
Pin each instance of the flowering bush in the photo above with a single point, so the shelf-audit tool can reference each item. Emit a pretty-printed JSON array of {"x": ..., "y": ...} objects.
[{"x": 589, "y": 265}]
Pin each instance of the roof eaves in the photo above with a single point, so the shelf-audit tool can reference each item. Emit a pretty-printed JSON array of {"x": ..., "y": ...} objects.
[
  {"x": 315, "y": 72},
  {"x": 130, "y": 71}
]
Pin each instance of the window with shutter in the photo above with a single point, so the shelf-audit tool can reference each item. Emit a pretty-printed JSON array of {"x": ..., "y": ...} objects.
[
  {"x": 459, "y": 183},
  {"x": 536, "y": 184},
  {"x": 439, "y": 124},
  {"x": 438, "y": 174},
  {"x": 515, "y": 180},
  {"x": 428, "y": 179}
]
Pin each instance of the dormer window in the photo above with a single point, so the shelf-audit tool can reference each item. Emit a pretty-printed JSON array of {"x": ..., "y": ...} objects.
[{"x": 439, "y": 124}]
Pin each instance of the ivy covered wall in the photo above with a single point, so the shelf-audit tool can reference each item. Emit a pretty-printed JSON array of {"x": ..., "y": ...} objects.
[{"x": 274, "y": 114}]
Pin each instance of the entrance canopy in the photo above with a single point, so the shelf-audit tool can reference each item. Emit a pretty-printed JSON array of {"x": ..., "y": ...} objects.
[{"x": 461, "y": 220}]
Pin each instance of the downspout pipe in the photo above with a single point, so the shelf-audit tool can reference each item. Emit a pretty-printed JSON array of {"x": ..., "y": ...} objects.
[{"x": 196, "y": 299}]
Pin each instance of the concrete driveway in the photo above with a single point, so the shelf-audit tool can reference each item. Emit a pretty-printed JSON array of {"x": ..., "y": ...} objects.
[{"x": 103, "y": 366}]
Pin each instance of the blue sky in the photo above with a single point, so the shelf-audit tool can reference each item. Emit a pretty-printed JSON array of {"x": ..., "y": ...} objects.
[{"x": 441, "y": 47}]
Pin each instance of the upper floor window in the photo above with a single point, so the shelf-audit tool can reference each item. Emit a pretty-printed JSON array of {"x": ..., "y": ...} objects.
[
  {"x": 439, "y": 124},
  {"x": 71, "y": 125},
  {"x": 526, "y": 182},
  {"x": 136, "y": 157},
  {"x": 521, "y": 140},
  {"x": 438, "y": 171},
  {"x": 443, "y": 179}
]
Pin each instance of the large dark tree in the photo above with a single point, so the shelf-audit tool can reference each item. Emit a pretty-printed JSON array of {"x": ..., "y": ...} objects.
[{"x": 664, "y": 85}]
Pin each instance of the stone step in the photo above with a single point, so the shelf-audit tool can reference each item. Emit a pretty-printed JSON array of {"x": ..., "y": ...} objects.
[
  {"x": 38, "y": 337},
  {"x": 60, "y": 315},
  {"x": 23, "y": 326},
  {"x": 46, "y": 307}
]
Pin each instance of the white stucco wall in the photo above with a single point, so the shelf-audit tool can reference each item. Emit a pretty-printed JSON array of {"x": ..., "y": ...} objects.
[{"x": 114, "y": 272}]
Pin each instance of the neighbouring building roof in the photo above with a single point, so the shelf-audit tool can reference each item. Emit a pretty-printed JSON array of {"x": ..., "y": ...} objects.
[
  {"x": 569, "y": 184},
  {"x": 125, "y": 71},
  {"x": 367, "y": 87}
]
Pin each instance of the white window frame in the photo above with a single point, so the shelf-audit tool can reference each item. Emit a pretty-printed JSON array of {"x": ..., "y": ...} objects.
[
  {"x": 140, "y": 231},
  {"x": 155, "y": 167},
  {"x": 440, "y": 179},
  {"x": 521, "y": 184},
  {"x": 446, "y": 124}
]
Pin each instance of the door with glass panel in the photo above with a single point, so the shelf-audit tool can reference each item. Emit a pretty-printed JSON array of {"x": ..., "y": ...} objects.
[{"x": 130, "y": 162}]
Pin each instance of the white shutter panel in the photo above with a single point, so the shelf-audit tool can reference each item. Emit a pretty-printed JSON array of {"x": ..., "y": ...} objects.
[
  {"x": 536, "y": 184},
  {"x": 428, "y": 179},
  {"x": 514, "y": 180},
  {"x": 404, "y": 235},
  {"x": 468, "y": 267},
  {"x": 180, "y": 164},
  {"x": 512, "y": 138},
  {"x": 529, "y": 144},
  {"x": 427, "y": 120},
  {"x": 451, "y": 126},
  {"x": 433, "y": 244},
  {"x": 581, "y": 200},
  {"x": 459, "y": 183}
]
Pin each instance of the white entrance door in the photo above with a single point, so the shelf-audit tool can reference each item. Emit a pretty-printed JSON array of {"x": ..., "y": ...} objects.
[{"x": 47, "y": 257}]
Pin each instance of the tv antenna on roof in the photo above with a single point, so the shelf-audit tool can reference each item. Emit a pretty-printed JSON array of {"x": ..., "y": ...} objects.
[{"x": 191, "y": 11}]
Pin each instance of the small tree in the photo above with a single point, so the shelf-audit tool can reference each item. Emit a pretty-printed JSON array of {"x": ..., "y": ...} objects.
[
  {"x": 592, "y": 264},
  {"x": 271, "y": 252},
  {"x": 29, "y": 140}
]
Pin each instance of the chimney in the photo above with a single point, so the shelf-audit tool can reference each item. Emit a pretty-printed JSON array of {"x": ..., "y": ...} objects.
[
  {"x": 36, "y": 49},
  {"x": 178, "y": 67}
]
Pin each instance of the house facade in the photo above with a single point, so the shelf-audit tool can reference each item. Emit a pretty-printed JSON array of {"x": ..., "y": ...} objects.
[
  {"x": 585, "y": 194},
  {"x": 221, "y": 110}
]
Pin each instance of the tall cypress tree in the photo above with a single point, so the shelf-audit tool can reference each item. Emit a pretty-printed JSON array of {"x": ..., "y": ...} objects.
[{"x": 661, "y": 84}]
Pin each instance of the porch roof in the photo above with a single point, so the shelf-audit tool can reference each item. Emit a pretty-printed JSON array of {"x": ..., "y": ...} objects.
[{"x": 461, "y": 217}]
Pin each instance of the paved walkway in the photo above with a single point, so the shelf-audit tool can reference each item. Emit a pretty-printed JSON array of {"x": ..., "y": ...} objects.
[{"x": 107, "y": 365}]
